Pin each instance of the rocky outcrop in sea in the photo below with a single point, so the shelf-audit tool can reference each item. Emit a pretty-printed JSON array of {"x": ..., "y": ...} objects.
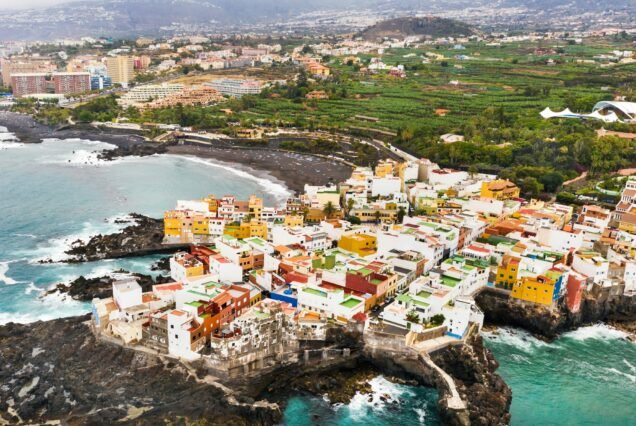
[
  {"x": 86, "y": 289},
  {"x": 143, "y": 237}
]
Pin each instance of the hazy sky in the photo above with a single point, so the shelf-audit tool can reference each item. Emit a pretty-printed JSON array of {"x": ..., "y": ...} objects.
[{"x": 25, "y": 4}]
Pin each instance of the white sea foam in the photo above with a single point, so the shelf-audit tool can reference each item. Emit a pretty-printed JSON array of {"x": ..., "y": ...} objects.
[
  {"x": 632, "y": 367},
  {"x": 598, "y": 331},
  {"x": 55, "y": 248},
  {"x": 515, "y": 337},
  {"x": 48, "y": 308},
  {"x": 359, "y": 405},
  {"x": 79, "y": 156},
  {"x": 278, "y": 190},
  {"x": 421, "y": 415},
  {"x": 4, "y": 268},
  {"x": 631, "y": 377},
  {"x": 32, "y": 288},
  {"x": 9, "y": 145}
]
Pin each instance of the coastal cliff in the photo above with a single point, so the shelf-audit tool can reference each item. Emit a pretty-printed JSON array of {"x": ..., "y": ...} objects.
[{"x": 599, "y": 305}]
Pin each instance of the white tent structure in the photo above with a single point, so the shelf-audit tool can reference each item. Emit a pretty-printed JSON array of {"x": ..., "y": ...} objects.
[
  {"x": 595, "y": 115},
  {"x": 626, "y": 110}
]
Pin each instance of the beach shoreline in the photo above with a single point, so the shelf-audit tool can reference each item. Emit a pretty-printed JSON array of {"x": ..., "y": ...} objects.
[{"x": 289, "y": 169}]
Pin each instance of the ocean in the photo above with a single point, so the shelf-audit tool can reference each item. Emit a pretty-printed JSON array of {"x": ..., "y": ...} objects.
[
  {"x": 585, "y": 377},
  {"x": 54, "y": 193}
]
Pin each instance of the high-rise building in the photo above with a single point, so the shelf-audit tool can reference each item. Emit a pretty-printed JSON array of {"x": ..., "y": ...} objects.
[
  {"x": 121, "y": 69},
  {"x": 10, "y": 67},
  {"x": 71, "y": 82},
  {"x": 28, "y": 83}
]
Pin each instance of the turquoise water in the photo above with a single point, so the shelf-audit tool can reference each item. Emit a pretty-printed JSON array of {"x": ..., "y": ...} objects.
[
  {"x": 418, "y": 406},
  {"x": 586, "y": 377},
  {"x": 50, "y": 196}
]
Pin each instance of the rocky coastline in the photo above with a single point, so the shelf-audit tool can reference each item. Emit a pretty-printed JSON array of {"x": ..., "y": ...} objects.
[
  {"x": 143, "y": 237},
  {"x": 600, "y": 305},
  {"x": 59, "y": 370},
  {"x": 86, "y": 289}
]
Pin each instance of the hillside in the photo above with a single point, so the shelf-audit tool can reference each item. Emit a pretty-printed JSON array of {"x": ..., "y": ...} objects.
[{"x": 428, "y": 27}]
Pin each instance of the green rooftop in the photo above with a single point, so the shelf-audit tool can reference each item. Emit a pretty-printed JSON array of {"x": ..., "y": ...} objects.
[
  {"x": 195, "y": 304},
  {"x": 423, "y": 294},
  {"x": 351, "y": 303},
  {"x": 315, "y": 292},
  {"x": 449, "y": 281}
]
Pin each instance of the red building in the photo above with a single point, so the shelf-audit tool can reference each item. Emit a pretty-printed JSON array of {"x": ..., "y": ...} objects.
[
  {"x": 575, "y": 286},
  {"x": 28, "y": 84},
  {"x": 71, "y": 82}
]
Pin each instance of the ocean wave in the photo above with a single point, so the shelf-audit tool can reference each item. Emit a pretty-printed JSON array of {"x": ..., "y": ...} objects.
[
  {"x": 9, "y": 145},
  {"x": 632, "y": 367},
  {"x": 631, "y": 377},
  {"x": 278, "y": 190},
  {"x": 360, "y": 405},
  {"x": 32, "y": 288},
  {"x": 55, "y": 248},
  {"x": 517, "y": 338},
  {"x": 53, "y": 307},
  {"x": 598, "y": 331},
  {"x": 4, "y": 268}
]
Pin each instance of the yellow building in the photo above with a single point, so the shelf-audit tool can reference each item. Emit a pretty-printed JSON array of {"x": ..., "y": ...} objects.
[
  {"x": 539, "y": 289},
  {"x": 361, "y": 244},
  {"x": 172, "y": 221},
  {"x": 500, "y": 189},
  {"x": 370, "y": 215},
  {"x": 246, "y": 230},
  {"x": 293, "y": 220},
  {"x": 121, "y": 69},
  {"x": 507, "y": 272},
  {"x": 384, "y": 168},
  {"x": 200, "y": 225},
  {"x": 213, "y": 203},
  {"x": 255, "y": 206}
]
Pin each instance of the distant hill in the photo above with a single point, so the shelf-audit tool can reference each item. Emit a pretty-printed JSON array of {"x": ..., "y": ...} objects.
[{"x": 427, "y": 26}]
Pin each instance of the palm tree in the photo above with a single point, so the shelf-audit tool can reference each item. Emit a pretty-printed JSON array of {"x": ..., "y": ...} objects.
[
  {"x": 377, "y": 215},
  {"x": 350, "y": 204},
  {"x": 329, "y": 210}
]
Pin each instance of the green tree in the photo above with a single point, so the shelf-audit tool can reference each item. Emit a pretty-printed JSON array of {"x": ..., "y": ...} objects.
[
  {"x": 329, "y": 210},
  {"x": 437, "y": 320},
  {"x": 413, "y": 317}
]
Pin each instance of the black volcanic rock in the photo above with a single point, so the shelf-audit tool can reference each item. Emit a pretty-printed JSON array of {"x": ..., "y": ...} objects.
[
  {"x": 57, "y": 370},
  {"x": 473, "y": 367},
  {"x": 86, "y": 289},
  {"x": 144, "y": 237},
  {"x": 136, "y": 149}
]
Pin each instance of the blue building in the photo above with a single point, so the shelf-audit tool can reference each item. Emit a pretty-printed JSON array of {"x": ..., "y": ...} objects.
[{"x": 100, "y": 82}]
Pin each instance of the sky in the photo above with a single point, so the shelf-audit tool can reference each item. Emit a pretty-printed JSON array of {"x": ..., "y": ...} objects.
[{"x": 25, "y": 4}]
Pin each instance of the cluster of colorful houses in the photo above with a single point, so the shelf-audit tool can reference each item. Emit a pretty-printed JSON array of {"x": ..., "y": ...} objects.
[{"x": 406, "y": 245}]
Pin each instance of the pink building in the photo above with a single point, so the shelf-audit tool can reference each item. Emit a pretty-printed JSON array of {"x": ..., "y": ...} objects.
[
  {"x": 71, "y": 82},
  {"x": 28, "y": 84}
]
